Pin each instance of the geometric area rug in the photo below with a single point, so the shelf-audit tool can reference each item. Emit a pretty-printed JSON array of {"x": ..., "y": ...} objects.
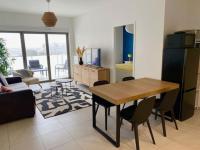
[{"x": 72, "y": 99}]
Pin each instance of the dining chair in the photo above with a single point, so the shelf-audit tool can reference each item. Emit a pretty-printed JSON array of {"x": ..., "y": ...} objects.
[
  {"x": 128, "y": 79},
  {"x": 35, "y": 64},
  {"x": 164, "y": 105},
  {"x": 137, "y": 115},
  {"x": 102, "y": 102},
  {"x": 61, "y": 67}
]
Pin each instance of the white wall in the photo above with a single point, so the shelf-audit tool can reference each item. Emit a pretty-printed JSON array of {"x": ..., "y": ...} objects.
[
  {"x": 96, "y": 29},
  {"x": 30, "y": 22},
  {"x": 176, "y": 15},
  {"x": 181, "y": 15},
  {"x": 194, "y": 12}
]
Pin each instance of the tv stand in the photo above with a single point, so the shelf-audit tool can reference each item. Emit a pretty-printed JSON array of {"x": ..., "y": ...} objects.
[{"x": 88, "y": 74}]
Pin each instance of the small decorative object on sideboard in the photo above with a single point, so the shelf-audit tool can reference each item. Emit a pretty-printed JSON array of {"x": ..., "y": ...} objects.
[
  {"x": 129, "y": 57},
  {"x": 80, "y": 53},
  {"x": 80, "y": 61}
]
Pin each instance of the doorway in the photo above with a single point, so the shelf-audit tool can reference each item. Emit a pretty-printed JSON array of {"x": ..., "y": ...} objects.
[{"x": 124, "y": 37}]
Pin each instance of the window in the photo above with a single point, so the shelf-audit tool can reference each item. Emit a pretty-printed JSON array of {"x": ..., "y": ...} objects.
[
  {"x": 13, "y": 44},
  {"x": 36, "y": 54},
  {"x": 46, "y": 54},
  {"x": 58, "y": 55}
]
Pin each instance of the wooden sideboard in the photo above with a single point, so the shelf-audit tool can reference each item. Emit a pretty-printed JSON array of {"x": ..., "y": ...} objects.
[{"x": 88, "y": 74}]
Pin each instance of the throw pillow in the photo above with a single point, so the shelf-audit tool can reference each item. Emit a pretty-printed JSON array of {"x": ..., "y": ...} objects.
[
  {"x": 3, "y": 80},
  {"x": 24, "y": 73},
  {"x": 16, "y": 74},
  {"x": 5, "y": 89}
]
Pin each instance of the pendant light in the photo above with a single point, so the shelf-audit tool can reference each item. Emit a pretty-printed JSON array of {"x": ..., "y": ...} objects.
[{"x": 49, "y": 18}]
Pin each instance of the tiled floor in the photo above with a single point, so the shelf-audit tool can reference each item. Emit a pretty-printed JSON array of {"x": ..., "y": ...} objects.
[{"x": 73, "y": 131}]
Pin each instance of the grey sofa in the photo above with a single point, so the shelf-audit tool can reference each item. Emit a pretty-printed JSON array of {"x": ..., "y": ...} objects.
[{"x": 20, "y": 103}]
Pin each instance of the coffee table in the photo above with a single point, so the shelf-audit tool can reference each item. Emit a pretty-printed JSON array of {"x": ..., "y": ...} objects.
[
  {"x": 56, "y": 87},
  {"x": 64, "y": 81}
]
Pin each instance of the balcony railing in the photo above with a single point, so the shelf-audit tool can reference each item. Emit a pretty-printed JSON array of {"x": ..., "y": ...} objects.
[{"x": 56, "y": 61}]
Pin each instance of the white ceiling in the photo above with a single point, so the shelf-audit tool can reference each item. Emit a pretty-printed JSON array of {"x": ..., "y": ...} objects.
[{"x": 69, "y": 8}]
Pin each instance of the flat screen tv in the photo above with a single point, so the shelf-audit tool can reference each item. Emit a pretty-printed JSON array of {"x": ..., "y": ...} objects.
[{"x": 92, "y": 56}]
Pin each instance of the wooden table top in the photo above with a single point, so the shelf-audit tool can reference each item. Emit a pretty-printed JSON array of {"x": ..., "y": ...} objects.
[{"x": 123, "y": 92}]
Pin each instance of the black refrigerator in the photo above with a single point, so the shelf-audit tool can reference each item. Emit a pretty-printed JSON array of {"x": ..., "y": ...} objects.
[{"x": 180, "y": 65}]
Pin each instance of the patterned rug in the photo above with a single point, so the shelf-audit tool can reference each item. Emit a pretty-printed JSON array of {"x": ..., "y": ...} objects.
[{"x": 52, "y": 104}]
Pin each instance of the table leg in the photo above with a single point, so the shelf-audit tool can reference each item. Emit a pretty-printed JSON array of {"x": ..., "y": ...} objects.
[
  {"x": 116, "y": 141},
  {"x": 117, "y": 125},
  {"x": 93, "y": 114},
  {"x": 135, "y": 102}
]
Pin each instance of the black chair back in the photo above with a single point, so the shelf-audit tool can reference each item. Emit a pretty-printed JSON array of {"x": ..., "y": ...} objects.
[
  {"x": 128, "y": 78},
  {"x": 35, "y": 64},
  {"x": 98, "y": 99},
  {"x": 97, "y": 83},
  {"x": 143, "y": 110},
  {"x": 168, "y": 100},
  {"x": 101, "y": 82}
]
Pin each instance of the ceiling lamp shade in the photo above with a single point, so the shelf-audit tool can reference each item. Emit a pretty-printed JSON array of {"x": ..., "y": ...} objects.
[{"x": 49, "y": 18}]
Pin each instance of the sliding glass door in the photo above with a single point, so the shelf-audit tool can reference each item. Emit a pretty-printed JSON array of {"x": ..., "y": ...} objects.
[
  {"x": 46, "y": 54},
  {"x": 58, "y": 55},
  {"x": 36, "y": 54}
]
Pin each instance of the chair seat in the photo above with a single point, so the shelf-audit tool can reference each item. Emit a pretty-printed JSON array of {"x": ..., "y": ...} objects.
[
  {"x": 127, "y": 113},
  {"x": 103, "y": 102}
]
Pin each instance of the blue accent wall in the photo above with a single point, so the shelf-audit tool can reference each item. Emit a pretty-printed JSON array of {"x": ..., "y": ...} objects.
[{"x": 127, "y": 44}]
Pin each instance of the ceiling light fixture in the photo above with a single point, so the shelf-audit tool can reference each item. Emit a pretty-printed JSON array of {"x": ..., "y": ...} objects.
[{"x": 49, "y": 18}]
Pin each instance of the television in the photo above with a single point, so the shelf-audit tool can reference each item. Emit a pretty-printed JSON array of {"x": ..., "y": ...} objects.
[{"x": 92, "y": 56}]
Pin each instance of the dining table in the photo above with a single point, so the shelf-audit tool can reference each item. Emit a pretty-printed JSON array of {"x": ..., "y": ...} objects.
[{"x": 124, "y": 92}]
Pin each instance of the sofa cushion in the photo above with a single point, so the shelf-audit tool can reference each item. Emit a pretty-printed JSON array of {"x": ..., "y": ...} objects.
[
  {"x": 18, "y": 86},
  {"x": 3, "y": 80},
  {"x": 16, "y": 74},
  {"x": 23, "y": 73}
]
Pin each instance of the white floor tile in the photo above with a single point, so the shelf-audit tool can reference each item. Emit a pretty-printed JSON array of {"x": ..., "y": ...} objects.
[
  {"x": 70, "y": 145},
  {"x": 55, "y": 138},
  {"x": 74, "y": 131},
  {"x": 34, "y": 144}
]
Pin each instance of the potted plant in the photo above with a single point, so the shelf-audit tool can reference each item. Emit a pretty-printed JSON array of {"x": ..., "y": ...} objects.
[
  {"x": 4, "y": 62},
  {"x": 80, "y": 53}
]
